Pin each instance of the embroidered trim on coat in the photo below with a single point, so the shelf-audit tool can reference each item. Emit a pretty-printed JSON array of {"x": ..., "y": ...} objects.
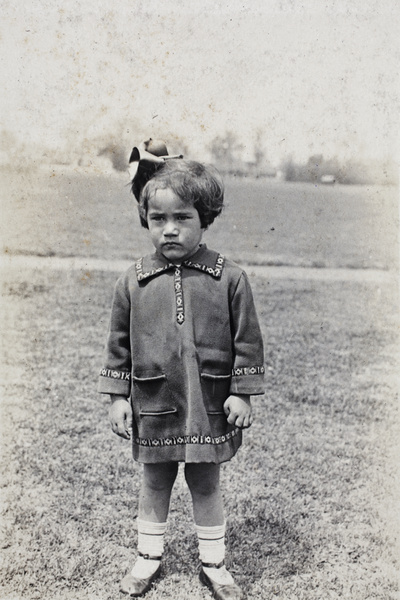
[
  {"x": 248, "y": 371},
  {"x": 215, "y": 272},
  {"x": 123, "y": 375},
  {"x": 186, "y": 439},
  {"x": 180, "y": 311},
  {"x": 139, "y": 270}
]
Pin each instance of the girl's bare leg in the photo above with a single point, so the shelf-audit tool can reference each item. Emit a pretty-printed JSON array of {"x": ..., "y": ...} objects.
[
  {"x": 204, "y": 486},
  {"x": 155, "y": 493}
]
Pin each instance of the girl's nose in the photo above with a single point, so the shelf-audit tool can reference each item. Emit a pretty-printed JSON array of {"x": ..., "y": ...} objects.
[{"x": 170, "y": 228}]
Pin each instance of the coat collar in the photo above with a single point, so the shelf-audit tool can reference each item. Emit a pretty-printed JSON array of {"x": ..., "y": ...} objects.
[{"x": 205, "y": 260}]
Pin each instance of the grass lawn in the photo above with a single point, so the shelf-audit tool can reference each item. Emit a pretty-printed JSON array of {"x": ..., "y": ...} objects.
[
  {"x": 73, "y": 213},
  {"x": 309, "y": 497}
]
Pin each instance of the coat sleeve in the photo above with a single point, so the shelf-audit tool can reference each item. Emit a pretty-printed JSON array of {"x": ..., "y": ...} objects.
[
  {"x": 248, "y": 367},
  {"x": 115, "y": 376}
]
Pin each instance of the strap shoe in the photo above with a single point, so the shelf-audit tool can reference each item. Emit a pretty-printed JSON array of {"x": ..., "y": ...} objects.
[
  {"x": 138, "y": 586},
  {"x": 227, "y": 591}
]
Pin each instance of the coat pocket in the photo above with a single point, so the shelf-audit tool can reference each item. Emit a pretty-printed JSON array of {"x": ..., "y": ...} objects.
[
  {"x": 152, "y": 395},
  {"x": 215, "y": 391}
]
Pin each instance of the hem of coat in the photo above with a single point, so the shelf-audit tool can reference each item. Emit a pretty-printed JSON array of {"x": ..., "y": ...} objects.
[
  {"x": 190, "y": 453},
  {"x": 113, "y": 386}
]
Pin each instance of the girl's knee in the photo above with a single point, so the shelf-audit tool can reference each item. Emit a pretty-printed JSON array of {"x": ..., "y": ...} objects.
[
  {"x": 160, "y": 476},
  {"x": 202, "y": 478}
]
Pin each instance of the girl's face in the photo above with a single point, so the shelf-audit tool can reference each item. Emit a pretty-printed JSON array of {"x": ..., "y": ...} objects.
[{"x": 174, "y": 226}]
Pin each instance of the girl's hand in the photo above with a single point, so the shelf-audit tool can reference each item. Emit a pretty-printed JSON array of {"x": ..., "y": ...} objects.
[
  {"x": 238, "y": 410},
  {"x": 120, "y": 415}
]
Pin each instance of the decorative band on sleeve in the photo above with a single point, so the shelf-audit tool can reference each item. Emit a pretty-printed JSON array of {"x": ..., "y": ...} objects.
[
  {"x": 121, "y": 375},
  {"x": 248, "y": 371}
]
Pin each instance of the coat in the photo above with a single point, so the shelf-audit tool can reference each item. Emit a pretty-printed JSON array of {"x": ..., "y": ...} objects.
[{"x": 181, "y": 340}]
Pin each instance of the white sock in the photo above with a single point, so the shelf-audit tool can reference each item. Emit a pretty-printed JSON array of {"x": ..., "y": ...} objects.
[
  {"x": 151, "y": 544},
  {"x": 151, "y": 537},
  {"x": 211, "y": 543},
  {"x": 212, "y": 550}
]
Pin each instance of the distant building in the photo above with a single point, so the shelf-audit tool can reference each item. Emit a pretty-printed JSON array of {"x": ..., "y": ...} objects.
[{"x": 328, "y": 179}]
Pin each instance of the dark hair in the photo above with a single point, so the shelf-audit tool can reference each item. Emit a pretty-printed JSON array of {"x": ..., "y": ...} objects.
[{"x": 193, "y": 182}]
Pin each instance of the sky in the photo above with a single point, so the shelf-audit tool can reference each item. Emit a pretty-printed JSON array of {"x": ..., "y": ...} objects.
[{"x": 319, "y": 76}]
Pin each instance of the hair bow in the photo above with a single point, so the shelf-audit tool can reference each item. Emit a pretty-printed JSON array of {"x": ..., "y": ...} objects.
[{"x": 144, "y": 161}]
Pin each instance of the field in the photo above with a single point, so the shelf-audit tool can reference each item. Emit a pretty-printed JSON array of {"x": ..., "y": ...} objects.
[
  {"x": 310, "y": 498},
  {"x": 265, "y": 221}
]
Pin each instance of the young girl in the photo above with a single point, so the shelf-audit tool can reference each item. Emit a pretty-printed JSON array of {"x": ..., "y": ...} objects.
[{"x": 184, "y": 354}]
